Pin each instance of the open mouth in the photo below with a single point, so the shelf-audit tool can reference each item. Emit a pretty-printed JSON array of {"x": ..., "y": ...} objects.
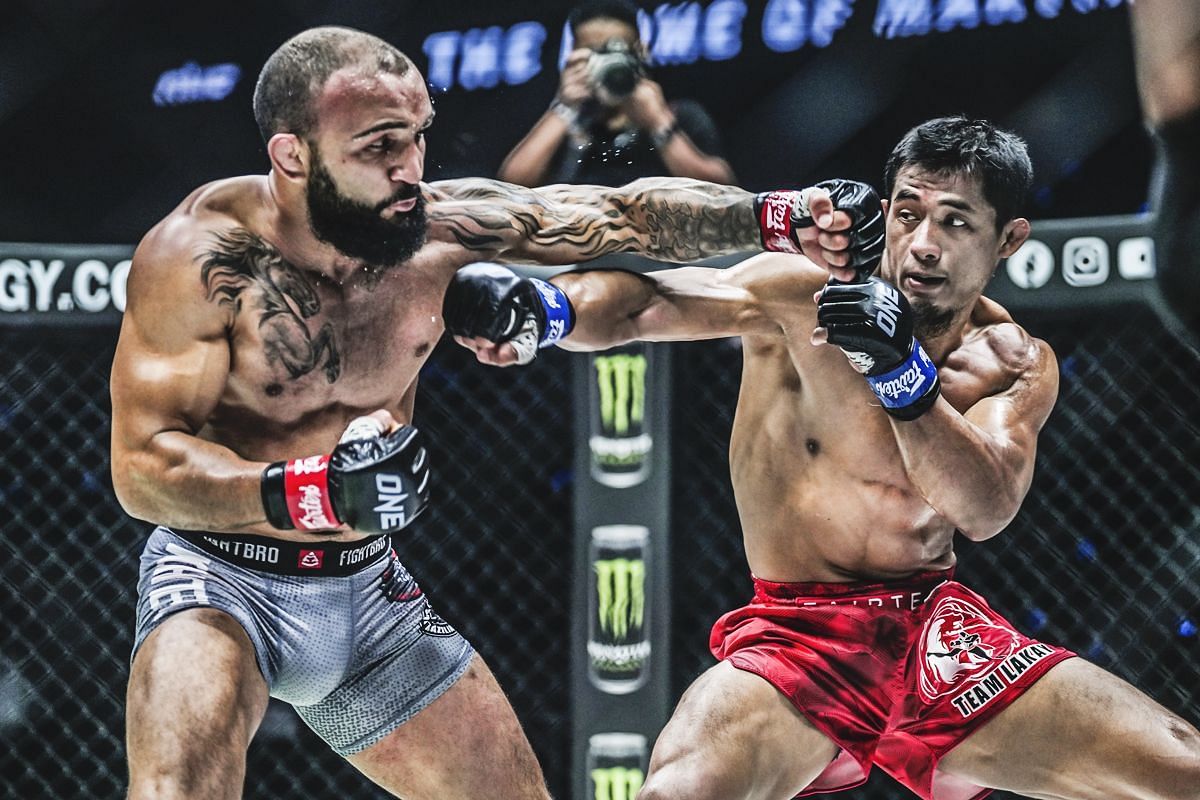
[
  {"x": 403, "y": 206},
  {"x": 919, "y": 281}
]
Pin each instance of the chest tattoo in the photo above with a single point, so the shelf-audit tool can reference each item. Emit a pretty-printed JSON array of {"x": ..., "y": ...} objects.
[{"x": 242, "y": 271}]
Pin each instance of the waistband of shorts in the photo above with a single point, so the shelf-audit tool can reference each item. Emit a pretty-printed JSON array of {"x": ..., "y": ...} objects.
[
  {"x": 281, "y": 557},
  {"x": 902, "y": 593}
]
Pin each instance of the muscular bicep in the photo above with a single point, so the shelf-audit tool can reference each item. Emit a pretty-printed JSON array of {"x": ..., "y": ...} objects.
[
  {"x": 172, "y": 358},
  {"x": 1013, "y": 417},
  {"x": 156, "y": 388}
]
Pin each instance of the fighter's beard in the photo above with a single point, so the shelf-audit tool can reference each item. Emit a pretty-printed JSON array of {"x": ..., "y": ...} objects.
[
  {"x": 930, "y": 321},
  {"x": 357, "y": 229}
]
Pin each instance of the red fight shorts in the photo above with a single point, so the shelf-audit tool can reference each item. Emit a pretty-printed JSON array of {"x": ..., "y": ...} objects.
[{"x": 896, "y": 674}]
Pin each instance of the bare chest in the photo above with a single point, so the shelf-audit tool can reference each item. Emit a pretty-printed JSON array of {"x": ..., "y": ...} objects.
[
  {"x": 808, "y": 420},
  {"x": 347, "y": 351},
  {"x": 301, "y": 345}
]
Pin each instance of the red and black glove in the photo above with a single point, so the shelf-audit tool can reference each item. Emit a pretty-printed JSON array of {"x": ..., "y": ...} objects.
[
  {"x": 782, "y": 213},
  {"x": 373, "y": 482}
]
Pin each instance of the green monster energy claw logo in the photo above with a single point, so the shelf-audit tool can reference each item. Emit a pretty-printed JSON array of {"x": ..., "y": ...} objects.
[
  {"x": 621, "y": 586},
  {"x": 617, "y": 783},
  {"x": 621, "y": 612},
  {"x": 622, "y": 381},
  {"x": 622, "y": 443}
]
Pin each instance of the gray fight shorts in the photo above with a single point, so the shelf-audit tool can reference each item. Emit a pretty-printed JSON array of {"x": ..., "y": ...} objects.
[{"x": 342, "y": 632}]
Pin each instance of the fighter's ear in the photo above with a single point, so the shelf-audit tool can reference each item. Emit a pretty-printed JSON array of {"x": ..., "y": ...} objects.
[
  {"x": 289, "y": 155},
  {"x": 1015, "y": 232}
]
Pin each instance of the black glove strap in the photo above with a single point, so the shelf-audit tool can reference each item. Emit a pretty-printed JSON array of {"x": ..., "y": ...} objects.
[{"x": 274, "y": 497}]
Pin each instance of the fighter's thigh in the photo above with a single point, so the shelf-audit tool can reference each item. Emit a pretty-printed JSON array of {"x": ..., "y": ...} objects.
[
  {"x": 1081, "y": 732},
  {"x": 194, "y": 700},
  {"x": 735, "y": 735},
  {"x": 466, "y": 743}
]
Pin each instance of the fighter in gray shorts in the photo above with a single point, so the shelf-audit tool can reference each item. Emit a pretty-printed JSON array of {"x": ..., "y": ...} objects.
[{"x": 342, "y": 632}]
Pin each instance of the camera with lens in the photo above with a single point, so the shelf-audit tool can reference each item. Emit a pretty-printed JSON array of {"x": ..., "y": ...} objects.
[{"x": 614, "y": 71}]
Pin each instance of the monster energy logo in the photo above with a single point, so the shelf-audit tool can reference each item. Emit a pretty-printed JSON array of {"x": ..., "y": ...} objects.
[
  {"x": 621, "y": 612},
  {"x": 617, "y": 783},
  {"x": 621, "y": 380}
]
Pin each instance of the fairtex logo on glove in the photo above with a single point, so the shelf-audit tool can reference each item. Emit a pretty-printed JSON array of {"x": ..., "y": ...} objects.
[
  {"x": 548, "y": 293},
  {"x": 312, "y": 503},
  {"x": 307, "y": 491},
  {"x": 908, "y": 382},
  {"x": 775, "y": 221},
  {"x": 559, "y": 316}
]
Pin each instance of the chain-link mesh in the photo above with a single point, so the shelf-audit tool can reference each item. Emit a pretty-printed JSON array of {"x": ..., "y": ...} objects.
[
  {"x": 492, "y": 553},
  {"x": 1103, "y": 557}
]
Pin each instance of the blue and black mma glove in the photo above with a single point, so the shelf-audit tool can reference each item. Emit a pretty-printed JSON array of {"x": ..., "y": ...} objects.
[
  {"x": 873, "y": 324},
  {"x": 782, "y": 213},
  {"x": 493, "y": 302}
]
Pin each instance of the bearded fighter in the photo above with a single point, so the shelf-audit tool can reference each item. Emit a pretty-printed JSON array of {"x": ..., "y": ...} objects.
[{"x": 263, "y": 396}]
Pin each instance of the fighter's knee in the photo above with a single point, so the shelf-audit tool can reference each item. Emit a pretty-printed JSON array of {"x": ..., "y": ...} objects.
[
  {"x": 1186, "y": 765},
  {"x": 183, "y": 772},
  {"x": 1177, "y": 763},
  {"x": 160, "y": 789},
  {"x": 177, "y": 785}
]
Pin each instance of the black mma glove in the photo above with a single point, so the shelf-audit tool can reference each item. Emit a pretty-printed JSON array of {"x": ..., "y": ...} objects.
[
  {"x": 493, "y": 302},
  {"x": 372, "y": 481},
  {"x": 873, "y": 324},
  {"x": 781, "y": 213}
]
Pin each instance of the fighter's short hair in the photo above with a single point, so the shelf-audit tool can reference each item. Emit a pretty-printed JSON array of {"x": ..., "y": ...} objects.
[
  {"x": 950, "y": 145},
  {"x": 295, "y": 73}
]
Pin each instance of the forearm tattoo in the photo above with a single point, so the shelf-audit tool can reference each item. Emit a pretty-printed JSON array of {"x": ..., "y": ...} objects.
[
  {"x": 246, "y": 274},
  {"x": 671, "y": 219}
]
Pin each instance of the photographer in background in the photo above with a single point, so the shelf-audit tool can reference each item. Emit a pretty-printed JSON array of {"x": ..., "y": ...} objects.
[{"x": 609, "y": 123}]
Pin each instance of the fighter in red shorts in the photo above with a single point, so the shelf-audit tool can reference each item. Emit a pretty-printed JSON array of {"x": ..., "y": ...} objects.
[{"x": 858, "y": 648}]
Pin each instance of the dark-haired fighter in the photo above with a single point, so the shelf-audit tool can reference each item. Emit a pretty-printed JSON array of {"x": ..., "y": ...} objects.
[
  {"x": 859, "y": 649},
  {"x": 270, "y": 318}
]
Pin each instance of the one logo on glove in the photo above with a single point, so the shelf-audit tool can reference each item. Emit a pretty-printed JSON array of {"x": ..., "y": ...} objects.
[
  {"x": 389, "y": 490},
  {"x": 889, "y": 309}
]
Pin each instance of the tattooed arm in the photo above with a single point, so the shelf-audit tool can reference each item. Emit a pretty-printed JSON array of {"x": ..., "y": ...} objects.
[
  {"x": 170, "y": 368},
  {"x": 669, "y": 219}
]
